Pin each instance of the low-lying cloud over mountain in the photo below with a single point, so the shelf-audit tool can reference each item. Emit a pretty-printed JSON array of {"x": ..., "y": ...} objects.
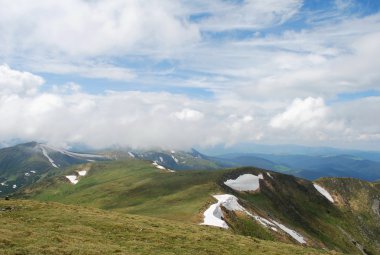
[{"x": 180, "y": 74}]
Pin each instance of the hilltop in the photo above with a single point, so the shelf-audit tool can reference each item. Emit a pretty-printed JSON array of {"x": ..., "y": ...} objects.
[{"x": 281, "y": 208}]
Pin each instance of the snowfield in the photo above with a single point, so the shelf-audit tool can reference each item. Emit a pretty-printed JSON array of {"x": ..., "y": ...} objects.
[
  {"x": 44, "y": 152},
  {"x": 82, "y": 172},
  {"x": 324, "y": 192},
  {"x": 73, "y": 179},
  {"x": 161, "y": 167},
  {"x": 291, "y": 232},
  {"x": 175, "y": 159},
  {"x": 213, "y": 216},
  {"x": 245, "y": 182}
]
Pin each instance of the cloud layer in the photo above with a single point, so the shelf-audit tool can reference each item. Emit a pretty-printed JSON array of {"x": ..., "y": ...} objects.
[{"x": 178, "y": 74}]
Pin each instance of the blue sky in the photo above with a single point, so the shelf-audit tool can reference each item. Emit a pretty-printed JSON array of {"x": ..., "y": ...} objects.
[{"x": 191, "y": 73}]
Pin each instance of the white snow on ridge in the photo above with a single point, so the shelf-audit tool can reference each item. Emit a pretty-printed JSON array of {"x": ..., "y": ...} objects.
[
  {"x": 213, "y": 215},
  {"x": 245, "y": 182},
  {"x": 73, "y": 154},
  {"x": 161, "y": 167},
  {"x": 131, "y": 154},
  {"x": 44, "y": 152},
  {"x": 175, "y": 159},
  {"x": 158, "y": 166},
  {"x": 291, "y": 232},
  {"x": 270, "y": 176},
  {"x": 324, "y": 192},
  {"x": 72, "y": 178},
  {"x": 82, "y": 172}
]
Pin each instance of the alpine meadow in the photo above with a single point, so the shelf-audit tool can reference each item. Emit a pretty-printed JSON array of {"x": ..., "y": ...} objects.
[{"x": 237, "y": 127}]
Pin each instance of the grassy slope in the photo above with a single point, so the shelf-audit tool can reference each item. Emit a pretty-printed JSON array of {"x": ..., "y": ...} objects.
[
  {"x": 137, "y": 187},
  {"x": 355, "y": 199},
  {"x": 52, "y": 228}
]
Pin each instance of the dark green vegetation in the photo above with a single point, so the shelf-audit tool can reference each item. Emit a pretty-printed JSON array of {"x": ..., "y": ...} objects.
[
  {"x": 30, "y": 227},
  {"x": 137, "y": 187}
]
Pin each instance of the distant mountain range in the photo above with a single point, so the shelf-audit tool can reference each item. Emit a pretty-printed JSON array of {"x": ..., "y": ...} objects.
[
  {"x": 307, "y": 166},
  {"x": 27, "y": 163}
]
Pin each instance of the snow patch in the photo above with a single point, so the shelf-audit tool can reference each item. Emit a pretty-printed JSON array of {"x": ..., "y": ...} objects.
[
  {"x": 131, "y": 154},
  {"x": 324, "y": 192},
  {"x": 33, "y": 172},
  {"x": 14, "y": 186},
  {"x": 88, "y": 157},
  {"x": 27, "y": 174},
  {"x": 245, "y": 182},
  {"x": 82, "y": 172},
  {"x": 158, "y": 166},
  {"x": 172, "y": 151},
  {"x": 73, "y": 179},
  {"x": 175, "y": 159},
  {"x": 161, "y": 159},
  {"x": 214, "y": 214},
  {"x": 161, "y": 167},
  {"x": 44, "y": 152},
  {"x": 270, "y": 176},
  {"x": 291, "y": 232}
]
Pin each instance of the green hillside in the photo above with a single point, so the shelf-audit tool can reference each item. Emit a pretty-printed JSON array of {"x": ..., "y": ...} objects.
[
  {"x": 137, "y": 187},
  {"x": 133, "y": 186},
  {"x": 29, "y": 227}
]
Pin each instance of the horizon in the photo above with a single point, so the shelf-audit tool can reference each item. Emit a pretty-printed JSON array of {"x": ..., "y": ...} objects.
[{"x": 180, "y": 75}]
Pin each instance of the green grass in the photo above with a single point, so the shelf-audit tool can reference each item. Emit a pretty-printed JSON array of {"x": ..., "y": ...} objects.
[
  {"x": 51, "y": 228},
  {"x": 137, "y": 187}
]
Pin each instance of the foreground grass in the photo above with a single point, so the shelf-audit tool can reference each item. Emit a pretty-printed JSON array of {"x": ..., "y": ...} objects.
[{"x": 29, "y": 227}]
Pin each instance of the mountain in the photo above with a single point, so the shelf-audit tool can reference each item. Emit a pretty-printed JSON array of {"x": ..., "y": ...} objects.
[
  {"x": 170, "y": 159},
  {"x": 289, "y": 149},
  {"x": 308, "y": 166},
  {"x": 330, "y": 213},
  {"x": 24, "y": 164}
]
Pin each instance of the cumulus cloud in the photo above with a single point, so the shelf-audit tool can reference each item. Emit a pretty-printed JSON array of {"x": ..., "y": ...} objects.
[
  {"x": 160, "y": 119},
  {"x": 307, "y": 113},
  {"x": 280, "y": 84},
  {"x": 92, "y": 28},
  {"x": 12, "y": 81},
  {"x": 189, "y": 115}
]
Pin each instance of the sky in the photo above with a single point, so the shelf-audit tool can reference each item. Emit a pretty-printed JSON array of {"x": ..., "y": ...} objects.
[{"x": 190, "y": 73}]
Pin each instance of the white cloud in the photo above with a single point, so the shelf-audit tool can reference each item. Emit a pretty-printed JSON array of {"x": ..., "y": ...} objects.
[
  {"x": 12, "y": 81},
  {"x": 189, "y": 115},
  {"x": 151, "y": 119},
  {"x": 254, "y": 81},
  {"x": 249, "y": 14},
  {"x": 92, "y": 28},
  {"x": 307, "y": 113}
]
